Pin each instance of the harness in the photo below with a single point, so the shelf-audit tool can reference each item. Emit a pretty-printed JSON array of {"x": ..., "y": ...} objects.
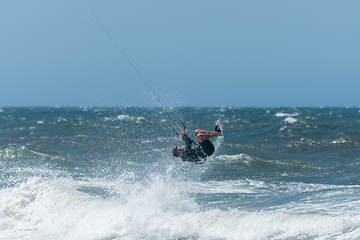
[{"x": 203, "y": 159}]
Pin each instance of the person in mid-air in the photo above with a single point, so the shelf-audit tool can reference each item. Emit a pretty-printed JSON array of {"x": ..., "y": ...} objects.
[{"x": 204, "y": 149}]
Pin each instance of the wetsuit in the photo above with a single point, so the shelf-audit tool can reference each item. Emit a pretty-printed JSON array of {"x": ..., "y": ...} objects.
[{"x": 200, "y": 153}]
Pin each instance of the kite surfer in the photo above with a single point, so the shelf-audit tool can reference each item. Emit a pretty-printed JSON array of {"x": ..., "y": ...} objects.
[{"x": 204, "y": 149}]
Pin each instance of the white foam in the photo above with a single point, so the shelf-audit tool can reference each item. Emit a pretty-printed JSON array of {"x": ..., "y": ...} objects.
[
  {"x": 216, "y": 187},
  {"x": 122, "y": 117},
  {"x": 237, "y": 157},
  {"x": 139, "y": 119},
  {"x": 162, "y": 209},
  {"x": 125, "y": 117},
  {"x": 236, "y": 224},
  {"x": 281, "y": 114},
  {"x": 42, "y": 209},
  {"x": 290, "y": 120}
]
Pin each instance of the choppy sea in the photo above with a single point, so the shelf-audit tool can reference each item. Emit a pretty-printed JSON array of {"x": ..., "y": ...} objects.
[{"x": 108, "y": 173}]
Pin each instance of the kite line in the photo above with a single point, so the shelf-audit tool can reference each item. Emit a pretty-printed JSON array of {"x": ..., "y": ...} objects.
[{"x": 177, "y": 125}]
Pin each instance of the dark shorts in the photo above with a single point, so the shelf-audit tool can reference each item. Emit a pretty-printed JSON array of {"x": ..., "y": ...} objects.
[{"x": 207, "y": 147}]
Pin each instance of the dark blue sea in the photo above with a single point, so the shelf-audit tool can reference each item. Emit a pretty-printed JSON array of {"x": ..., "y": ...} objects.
[{"x": 109, "y": 173}]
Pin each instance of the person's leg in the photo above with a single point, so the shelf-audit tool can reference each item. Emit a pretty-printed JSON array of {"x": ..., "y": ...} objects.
[{"x": 202, "y": 135}]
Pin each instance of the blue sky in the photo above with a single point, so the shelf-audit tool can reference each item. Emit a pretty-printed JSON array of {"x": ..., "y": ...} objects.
[{"x": 191, "y": 53}]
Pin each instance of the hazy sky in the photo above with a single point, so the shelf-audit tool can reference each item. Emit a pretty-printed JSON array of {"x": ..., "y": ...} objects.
[{"x": 242, "y": 53}]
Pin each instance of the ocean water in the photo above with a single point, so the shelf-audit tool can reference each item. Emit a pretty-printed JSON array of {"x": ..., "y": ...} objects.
[{"x": 108, "y": 173}]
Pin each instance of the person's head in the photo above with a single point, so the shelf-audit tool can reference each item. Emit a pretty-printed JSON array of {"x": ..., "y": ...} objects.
[{"x": 178, "y": 152}]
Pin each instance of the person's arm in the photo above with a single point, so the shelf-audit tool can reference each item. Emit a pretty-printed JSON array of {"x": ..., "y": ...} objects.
[
  {"x": 186, "y": 139},
  {"x": 183, "y": 133}
]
